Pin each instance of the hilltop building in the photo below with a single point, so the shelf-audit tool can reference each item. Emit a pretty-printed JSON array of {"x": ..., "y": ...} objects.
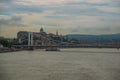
[
  {"x": 39, "y": 38},
  {"x": 43, "y": 38},
  {"x": 42, "y": 32},
  {"x": 57, "y": 33}
]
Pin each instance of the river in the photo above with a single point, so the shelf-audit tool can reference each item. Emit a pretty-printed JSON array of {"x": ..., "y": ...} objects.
[{"x": 67, "y": 64}]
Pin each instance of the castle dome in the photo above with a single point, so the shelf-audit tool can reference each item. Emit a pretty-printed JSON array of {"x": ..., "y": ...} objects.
[{"x": 41, "y": 30}]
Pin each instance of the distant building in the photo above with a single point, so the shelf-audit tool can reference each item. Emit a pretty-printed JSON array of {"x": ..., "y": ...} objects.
[
  {"x": 57, "y": 33},
  {"x": 22, "y": 35},
  {"x": 42, "y": 38},
  {"x": 1, "y": 46},
  {"x": 42, "y": 32},
  {"x": 39, "y": 38}
]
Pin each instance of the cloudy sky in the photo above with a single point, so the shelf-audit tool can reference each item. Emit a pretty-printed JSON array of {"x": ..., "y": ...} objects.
[{"x": 66, "y": 16}]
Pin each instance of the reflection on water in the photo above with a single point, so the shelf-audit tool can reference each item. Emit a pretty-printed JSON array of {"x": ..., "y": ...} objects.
[{"x": 68, "y": 64}]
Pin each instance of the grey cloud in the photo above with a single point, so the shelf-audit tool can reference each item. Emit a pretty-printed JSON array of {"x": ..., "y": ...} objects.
[
  {"x": 69, "y": 10},
  {"x": 17, "y": 9},
  {"x": 13, "y": 21},
  {"x": 59, "y": 17},
  {"x": 6, "y": 1},
  {"x": 96, "y": 30},
  {"x": 28, "y": 9},
  {"x": 111, "y": 3},
  {"x": 45, "y": 23},
  {"x": 5, "y": 11},
  {"x": 116, "y": 2},
  {"x": 91, "y": 8},
  {"x": 87, "y": 3},
  {"x": 65, "y": 8}
]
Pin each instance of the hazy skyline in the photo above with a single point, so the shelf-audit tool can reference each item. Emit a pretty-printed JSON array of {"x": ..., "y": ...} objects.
[{"x": 66, "y": 16}]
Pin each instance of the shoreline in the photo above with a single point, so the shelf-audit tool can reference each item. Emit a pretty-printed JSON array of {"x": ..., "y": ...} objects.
[
  {"x": 15, "y": 50},
  {"x": 10, "y": 50}
]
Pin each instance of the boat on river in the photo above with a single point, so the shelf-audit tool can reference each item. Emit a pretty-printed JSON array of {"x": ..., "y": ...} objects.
[
  {"x": 52, "y": 49},
  {"x": 30, "y": 48}
]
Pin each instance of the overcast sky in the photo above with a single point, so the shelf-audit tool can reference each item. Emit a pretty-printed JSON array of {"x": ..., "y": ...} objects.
[{"x": 66, "y": 16}]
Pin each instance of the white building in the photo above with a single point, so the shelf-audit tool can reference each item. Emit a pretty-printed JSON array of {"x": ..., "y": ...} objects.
[{"x": 1, "y": 46}]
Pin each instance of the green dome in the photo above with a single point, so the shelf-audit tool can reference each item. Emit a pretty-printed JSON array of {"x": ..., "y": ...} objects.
[{"x": 41, "y": 30}]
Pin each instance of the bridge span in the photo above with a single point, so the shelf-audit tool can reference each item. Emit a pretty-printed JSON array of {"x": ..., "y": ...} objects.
[{"x": 64, "y": 46}]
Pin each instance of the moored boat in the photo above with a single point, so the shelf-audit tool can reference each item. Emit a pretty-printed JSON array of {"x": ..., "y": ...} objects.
[
  {"x": 52, "y": 49},
  {"x": 30, "y": 48}
]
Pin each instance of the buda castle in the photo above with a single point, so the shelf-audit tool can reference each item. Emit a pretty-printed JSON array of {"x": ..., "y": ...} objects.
[{"x": 41, "y": 38}]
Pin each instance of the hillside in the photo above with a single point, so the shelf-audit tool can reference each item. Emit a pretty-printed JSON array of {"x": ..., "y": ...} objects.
[{"x": 103, "y": 39}]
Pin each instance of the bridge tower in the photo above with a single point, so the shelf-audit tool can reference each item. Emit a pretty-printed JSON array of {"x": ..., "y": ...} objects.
[{"x": 30, "y": 38}]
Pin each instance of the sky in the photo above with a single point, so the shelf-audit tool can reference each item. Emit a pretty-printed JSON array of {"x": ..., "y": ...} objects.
[{"x": 64, "y": 16}]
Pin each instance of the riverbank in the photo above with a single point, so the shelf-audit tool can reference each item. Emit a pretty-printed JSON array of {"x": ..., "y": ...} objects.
[{"x": 5, "y": 50}]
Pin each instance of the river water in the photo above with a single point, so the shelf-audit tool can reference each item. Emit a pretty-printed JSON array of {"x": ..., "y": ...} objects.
[{"x": 68, "y": 64}]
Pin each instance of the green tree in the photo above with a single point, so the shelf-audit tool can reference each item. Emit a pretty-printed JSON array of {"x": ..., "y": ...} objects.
[{"x": 5, "y": 43}]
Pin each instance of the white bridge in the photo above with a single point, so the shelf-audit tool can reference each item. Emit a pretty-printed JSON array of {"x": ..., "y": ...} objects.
[{"x": 30, "y": 38}]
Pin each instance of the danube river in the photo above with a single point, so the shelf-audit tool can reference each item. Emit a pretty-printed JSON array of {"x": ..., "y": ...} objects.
[{"x": 67, "y": 64}]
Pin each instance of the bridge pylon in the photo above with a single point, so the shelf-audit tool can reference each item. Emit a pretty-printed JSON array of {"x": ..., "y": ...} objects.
[{"x": 30, "y": 38}]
